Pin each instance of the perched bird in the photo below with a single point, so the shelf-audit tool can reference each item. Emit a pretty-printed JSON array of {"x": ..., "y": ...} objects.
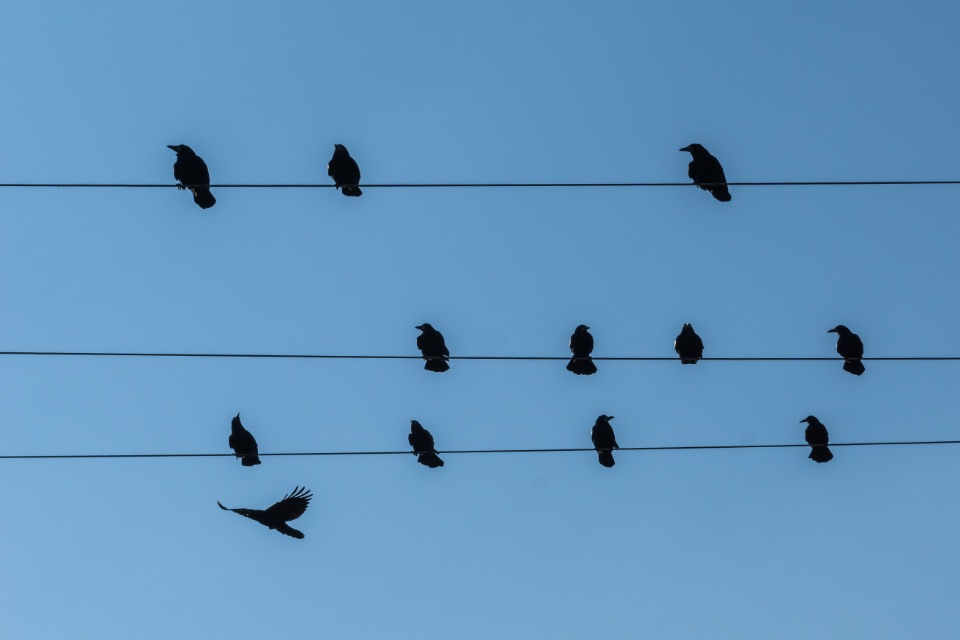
[
  {"x": 434, "y": 351},
  {"x": 688, "y": 345},
  {"x": 423, "y": 447},
  {"x": 243, "y": 443},
  {"x": 706, "y": 172},
  {"x": 344, "y": 171},
  {"x": 604, "y": 440},
  {"x": 581, "y": 345},
  {"x": 276, "y": 517},
  {"x": 850, "y": 348},
  {"x": 818, "y": 438},
  {"x": 191, "y": 172}
]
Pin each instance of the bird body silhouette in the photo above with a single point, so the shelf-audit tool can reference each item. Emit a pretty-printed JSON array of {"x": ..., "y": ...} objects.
[
  {"x": 818, "y": 438},
  {"x": 688, "y": 345},
  {"x": 422, "y": 442},
  {"x": 243, "y": 443},
  {"x": 850, "y": 348},
  {"x": 291, "y": 507},
  {"x": 345, "y": 171},
  {"x": 604, "y": 440},
  {"x": 706, "y": 172},
  {"x": 581, "y": 345},
  {"x": 191, "y": 173},
  {"x": 433, "y": 348}
]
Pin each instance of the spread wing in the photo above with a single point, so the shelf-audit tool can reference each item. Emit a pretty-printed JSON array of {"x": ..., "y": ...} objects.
[{"x": 292, "y": 506}]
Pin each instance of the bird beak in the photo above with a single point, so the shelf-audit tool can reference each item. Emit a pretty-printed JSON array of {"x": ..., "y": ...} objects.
[
  {"x": 685, "y": 149},
  {"x": 831, "y": 330},
  {"x": 172, "y": 146},
  {"x": 419, "y": 327},
  {"x": 802, "y": 421},
  {"x": 609, "y": 417}
]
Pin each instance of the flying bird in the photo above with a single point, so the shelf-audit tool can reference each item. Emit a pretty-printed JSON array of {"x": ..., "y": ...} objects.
[
  {"x": 243, "y": 443},
  {"x": 850, "y": 348},
  {"x": 604, "y": 440},
  {"x": 345, "y": 171},
  {"x": 191, "y": 173},
  {"x": 818, "y": 438},
  {"x": 581, "y": 345},
  {"x": 706, "y": 172},
  {"x": 423, "y": 447},
  {"x": 433, "y": 349},
  {"x": 277, "y": 516},
  {"x": 688, "y": 345}
]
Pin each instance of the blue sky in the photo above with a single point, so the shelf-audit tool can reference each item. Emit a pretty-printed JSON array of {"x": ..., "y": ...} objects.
[{"x": 735, "y": 544}]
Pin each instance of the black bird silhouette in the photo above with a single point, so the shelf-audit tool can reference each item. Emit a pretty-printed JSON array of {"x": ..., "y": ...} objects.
[
  {"x": 604, "y": 440},
  {"x": 243, "y": 443},
  {"x": 818, "y": 438},
  {"x": 277, "y": 516},
  {"x": 191, "y": 172},
  {"x": 850, "y": 348},
  {"x": 706, "y": 172},
  {"x": 423, "y": 447},
  {"x": 344, "y": 171},
  {"x": 581, "y": 345},
  {"x": 434, "y": 350},
  {"x": 688, "y": 345}
]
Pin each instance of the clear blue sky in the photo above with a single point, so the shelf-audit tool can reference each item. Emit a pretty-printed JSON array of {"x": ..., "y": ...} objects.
[{"x": 736, "y": 544}]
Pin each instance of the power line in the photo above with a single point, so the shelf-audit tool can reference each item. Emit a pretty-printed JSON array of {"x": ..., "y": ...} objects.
[
  {"x": 318, "y": 356},
  {"x": 707, "y": 447}
]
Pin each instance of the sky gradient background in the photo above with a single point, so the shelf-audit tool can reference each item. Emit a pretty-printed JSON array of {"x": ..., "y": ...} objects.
[{"x": 719, "y": 544}]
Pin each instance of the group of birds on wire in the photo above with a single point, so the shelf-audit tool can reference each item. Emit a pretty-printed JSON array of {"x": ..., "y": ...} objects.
[{"x": 191, "y": 173}]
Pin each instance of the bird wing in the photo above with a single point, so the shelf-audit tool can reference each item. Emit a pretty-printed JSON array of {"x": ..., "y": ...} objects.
[{"x": 292, "y": 506}]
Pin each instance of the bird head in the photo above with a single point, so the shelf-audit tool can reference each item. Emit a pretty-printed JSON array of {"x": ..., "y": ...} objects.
[
  {"x": 810, "y": 420},
  {"x": 181, "y": 149},
  {"x": 581, "y": 328},
  {"x": 339, "y": 148},
  {"x": 415, "y": 426},
  {"x": 424, "y": 327},
  {"x": 694, "y": 149},
  {"x": 687, "y": 328},
  {"x": 840, "y": 329},
  {"x": 605, "y": 418}
]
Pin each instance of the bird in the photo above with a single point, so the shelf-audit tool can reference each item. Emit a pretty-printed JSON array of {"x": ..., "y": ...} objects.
[
  {"x": 688, "y": 345},
  {"x": 581, "y": 344},
  {"x": 433, "y": 349},
  {"x": 243, "y": 443},
  {"x": 191, "y": 173},
  {"x": 818, "y": 438},
  {"x": 344, "y": 171},
  {"x": 850, "y": 348},
  {"x": 604, "y": 440},
  {"x": 423, "y": 447},
  {"x": 277, "y": 516},
  {"x": 706, "y": 172}
]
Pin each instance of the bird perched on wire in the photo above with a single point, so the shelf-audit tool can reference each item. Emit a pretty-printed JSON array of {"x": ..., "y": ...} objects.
[
  {"x": 818, "y": 438},
  {"x": 191, "y": 173},
  {"x": 277, "y": 516},
  {"x": 422, "y": 442},
  {"x": 688, "y": 345},
  {"x": 432, "y": 347},
  {"x": 345, "y": 171},
  {"x": 706, "y": 172},
  {"x": 850, "y": 348},
  {"x": 243, "y": 443},
  {"x": 604, "y": 440},
  {"x": 581, "y": 345}
]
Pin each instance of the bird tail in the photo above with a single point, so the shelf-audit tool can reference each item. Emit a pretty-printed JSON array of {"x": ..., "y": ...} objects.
[
  {"x": 430, "y": 459},
  {"x": 289, "y": 531},
  {"x": 688, "y": 360},
  {"x": 721, "y": 193},
  {"x": 854, "y": 366},
  {"x": 820, "y": 453},
  {"x": 250, "y": 460},
  {"x": 582, "y": 366},
  {"x": 606, "y": 458},
  {"x": 436, "y": 364},
  {"x": 351, "y": 190},
  {"x": 203, "y": 198}
]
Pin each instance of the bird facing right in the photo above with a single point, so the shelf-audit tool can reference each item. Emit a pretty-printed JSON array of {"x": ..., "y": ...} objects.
[
  {"x": 581, "y": 346},
  {"x": 604, "y": 440},
  {"x": 345, "y": 171},
  {"x": 688, "y": 345},
  {"x": 818, "y": 438},
  {"x": 706, "y": 172},
  {"x": 850, "y": 348}
]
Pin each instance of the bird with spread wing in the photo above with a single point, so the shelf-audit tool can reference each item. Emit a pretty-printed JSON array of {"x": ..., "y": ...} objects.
[{"x": 277, "y": 516}]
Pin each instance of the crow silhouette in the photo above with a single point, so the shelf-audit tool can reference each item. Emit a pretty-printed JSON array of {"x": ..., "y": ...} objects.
[
  {"x": 191, "y": 173},
  {"x": 243, "y": 443},
  {"x": 344, "y": 171},
  {"x": 818, "y": 438},
  {"x": 604, "y": 440},
  {"x": 423, "y": 447},
  {"x": 581, "y": 345},
  {"x": 432, "y": 347},
  {"x": 706, "y": 172},
  {"x": 277, "y": 516},
  {"x": 688, "y": 345},
  {"x": 850, "y": 348}
]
